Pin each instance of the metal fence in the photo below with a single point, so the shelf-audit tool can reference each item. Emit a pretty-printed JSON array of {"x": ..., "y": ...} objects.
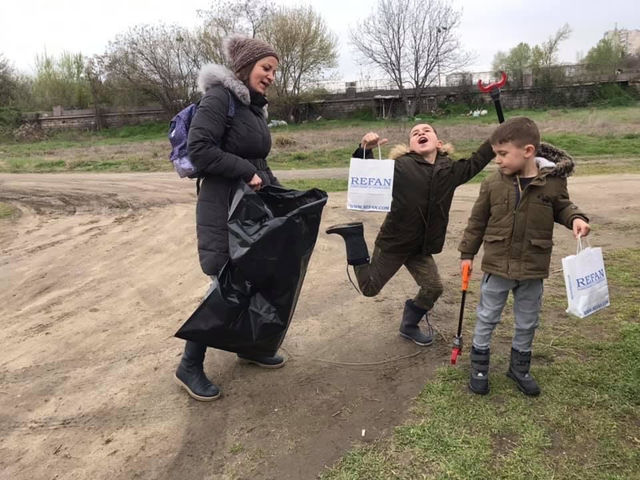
[{"x": 561, "y": 75}]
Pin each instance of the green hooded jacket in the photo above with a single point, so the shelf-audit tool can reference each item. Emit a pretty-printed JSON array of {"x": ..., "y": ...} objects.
[{"x": 518, "y": 237}]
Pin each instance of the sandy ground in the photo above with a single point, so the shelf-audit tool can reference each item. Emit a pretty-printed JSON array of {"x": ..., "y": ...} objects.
[{"x": 99, "y": 271}]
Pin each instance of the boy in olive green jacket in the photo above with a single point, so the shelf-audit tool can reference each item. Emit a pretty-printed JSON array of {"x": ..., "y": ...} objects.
[{"x": 514, "y": 216}]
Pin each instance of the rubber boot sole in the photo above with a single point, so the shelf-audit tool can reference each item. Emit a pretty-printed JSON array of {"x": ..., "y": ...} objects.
[
  {"x": 528, "y": 394},
  {"x": 261, "y": 365},
  {"x": 193, "y": 395},
  {"x": 420, "y": 344},
  {"x": 478, "y": 392}
]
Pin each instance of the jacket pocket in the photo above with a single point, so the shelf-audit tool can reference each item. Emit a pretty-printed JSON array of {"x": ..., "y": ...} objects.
[
  {"x": 494, "y": 238},
  {"x": 495, "y": 253},
  {"x": 542, "y": 245}
]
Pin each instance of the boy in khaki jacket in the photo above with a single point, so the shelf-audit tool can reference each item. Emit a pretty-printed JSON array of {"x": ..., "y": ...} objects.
[{"x": 514, "y": 216}]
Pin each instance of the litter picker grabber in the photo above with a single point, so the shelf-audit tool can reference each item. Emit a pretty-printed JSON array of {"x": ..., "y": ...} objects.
[
  {"x": 493, "y": 89},
  {"x": 457, "y": 342}
]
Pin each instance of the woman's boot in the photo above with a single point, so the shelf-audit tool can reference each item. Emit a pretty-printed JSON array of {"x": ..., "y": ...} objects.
[
  {"x": 190, "y": 373},
  {"x": 519, "y": 372},
  {"x": 479, "y": 380},
  {"x": 409, "y": 326},
  {"x": 353, "y": 235}
]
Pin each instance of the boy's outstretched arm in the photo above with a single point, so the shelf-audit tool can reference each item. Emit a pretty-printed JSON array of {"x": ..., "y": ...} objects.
[
  {"x": 566, "y": 213},
  {"x": 477, "y": 224},
  {"x": 467, "y": 168}
]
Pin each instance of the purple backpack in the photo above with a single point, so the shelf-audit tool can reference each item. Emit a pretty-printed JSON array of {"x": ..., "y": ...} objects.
[{"x": 179, "y": 133}]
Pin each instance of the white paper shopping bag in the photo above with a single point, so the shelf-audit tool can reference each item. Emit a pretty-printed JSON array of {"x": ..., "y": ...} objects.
[
  {"x": 370, "y": 184},
  {"x": 586, "y": 281}
]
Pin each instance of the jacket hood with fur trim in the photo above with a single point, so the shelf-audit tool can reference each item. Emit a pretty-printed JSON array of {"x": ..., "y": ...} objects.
[
  {"x": 559, "y": 163},
  {"x": 214, "y": 74}
]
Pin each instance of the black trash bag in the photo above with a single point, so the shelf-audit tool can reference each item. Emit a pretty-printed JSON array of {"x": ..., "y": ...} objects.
[{"x": 272, "y": 234}]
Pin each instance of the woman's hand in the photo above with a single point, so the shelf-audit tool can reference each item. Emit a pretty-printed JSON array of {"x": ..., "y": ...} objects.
[
  {"x": 255, "y": 183},
  {"x": 371, "y": 140}
]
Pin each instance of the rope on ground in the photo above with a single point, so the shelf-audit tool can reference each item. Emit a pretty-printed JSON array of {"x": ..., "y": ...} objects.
[{"x": 371, "y": 364}]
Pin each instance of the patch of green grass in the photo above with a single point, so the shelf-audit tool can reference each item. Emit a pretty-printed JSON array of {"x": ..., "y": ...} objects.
[
  {"x": 577, "y": 145},
  {"x": 612, "y": 168},
  {"x": 7, "y": 210},
  {"x": 585, "y": 145},
  {"x": 74, "y": 147},
  {"x": 311, "y": 159},
  {"x": 142, "y": 132},
  {"x": 236, "y": 448},
  {"x": 585, "y": 424},
  {"x": 326, "y": 184}
]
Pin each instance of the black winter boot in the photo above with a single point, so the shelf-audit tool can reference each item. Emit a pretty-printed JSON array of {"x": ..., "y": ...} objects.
[
  {"x": 409, "y": 326},
  {"x": 353, "y": 235},
  {"x": 190, "y": 373},
  {"x": 265, "y": 362},
  {"x": 519, "y": 372},
  {"x": 479, "y": 380}
]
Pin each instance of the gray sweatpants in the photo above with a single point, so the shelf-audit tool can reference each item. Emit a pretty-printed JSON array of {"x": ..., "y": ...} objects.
[{"x": 527, "y": 300}]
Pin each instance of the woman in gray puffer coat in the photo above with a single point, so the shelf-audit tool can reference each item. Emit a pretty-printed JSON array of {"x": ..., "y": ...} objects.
[{"x": 227, "y": 148}]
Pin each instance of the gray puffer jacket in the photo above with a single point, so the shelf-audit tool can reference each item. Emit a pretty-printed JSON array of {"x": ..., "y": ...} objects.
[{"x": 225, "y": 156}]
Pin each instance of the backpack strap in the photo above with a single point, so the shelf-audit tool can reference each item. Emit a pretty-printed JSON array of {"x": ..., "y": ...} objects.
[{"x": 231, "y": 111}]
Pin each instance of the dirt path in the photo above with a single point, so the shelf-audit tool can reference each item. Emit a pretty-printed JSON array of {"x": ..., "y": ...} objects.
[{"x": 99, "y": 271}]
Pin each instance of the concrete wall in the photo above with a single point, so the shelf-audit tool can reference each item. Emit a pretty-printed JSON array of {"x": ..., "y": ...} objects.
[
  {"x": 377, "y": 103},
  {"x": 61, "y": 119},
  {"x": 388, "y": 103}
]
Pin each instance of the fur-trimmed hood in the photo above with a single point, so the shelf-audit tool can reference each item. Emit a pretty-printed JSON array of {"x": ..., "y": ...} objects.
[
  {"x": 557, "y": 162},
  {"x": 214, "y": 74},
  {"x": 399, "y": 150}
]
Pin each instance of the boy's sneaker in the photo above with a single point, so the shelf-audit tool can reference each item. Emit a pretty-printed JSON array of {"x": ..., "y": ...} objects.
[
  {"x": 519, "y": 372},
  {"x": 479, "y": 379}
]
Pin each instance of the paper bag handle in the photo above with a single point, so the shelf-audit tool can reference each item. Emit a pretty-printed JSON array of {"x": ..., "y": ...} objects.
[
  {"x": 364, "y": 153},
  {"x": 581, "y": 246}
]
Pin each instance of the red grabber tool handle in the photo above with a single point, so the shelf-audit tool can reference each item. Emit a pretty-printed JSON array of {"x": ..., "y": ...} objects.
[
  {"x": 493, "y": 89},
  {"x": 457, "y": 342}
]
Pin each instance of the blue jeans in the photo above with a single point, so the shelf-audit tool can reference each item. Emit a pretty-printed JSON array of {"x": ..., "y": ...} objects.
[{"x": 527, "y": 300}]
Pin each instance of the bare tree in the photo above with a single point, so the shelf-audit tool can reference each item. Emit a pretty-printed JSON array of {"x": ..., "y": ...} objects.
[
  {"x": 305, "y": 45},
  {"x": 230, "y": 16},
  {"x": 414, "y": 42},
  {"x": 162, "y": 61},
  {"x": 545, "y": 55},
  {"x": 544, "y": 58}
]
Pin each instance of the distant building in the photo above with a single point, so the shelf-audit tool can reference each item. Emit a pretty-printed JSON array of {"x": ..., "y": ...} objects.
[
  {"x": 630, "y": 39},
  {"x": 458, "y": 79}
]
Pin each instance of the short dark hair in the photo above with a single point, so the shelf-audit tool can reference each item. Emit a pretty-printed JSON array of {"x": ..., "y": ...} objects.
[{"x": 518, "y": 130}]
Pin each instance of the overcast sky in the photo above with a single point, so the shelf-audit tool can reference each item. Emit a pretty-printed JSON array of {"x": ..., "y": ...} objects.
[{"x": 28, "y": 27}]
